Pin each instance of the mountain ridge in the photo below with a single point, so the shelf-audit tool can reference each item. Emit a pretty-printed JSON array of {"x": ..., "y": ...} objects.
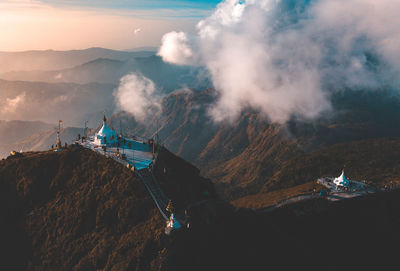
[
  {"x": 110, "y": 71},
  {"x": 50, "y": 102},
  {"x": 242, "y": 157},
  {"x": 78, "y": 210},
  {"x": 53, "y": 59}
]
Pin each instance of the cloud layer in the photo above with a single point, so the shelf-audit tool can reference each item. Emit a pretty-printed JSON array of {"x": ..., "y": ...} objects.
[{"x": 285, "y": 57}]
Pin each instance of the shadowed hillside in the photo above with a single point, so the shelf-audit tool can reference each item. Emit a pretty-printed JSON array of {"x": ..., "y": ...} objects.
[
  {"x": 354, "y": 234},
  {"x": 77, "y": 210},
  {"x": 374, "y": 160}
]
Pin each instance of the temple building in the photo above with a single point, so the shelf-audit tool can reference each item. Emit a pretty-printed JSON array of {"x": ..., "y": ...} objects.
[
  {"x": 105, "y": 135},
  {"x": 341, "y": 180}
]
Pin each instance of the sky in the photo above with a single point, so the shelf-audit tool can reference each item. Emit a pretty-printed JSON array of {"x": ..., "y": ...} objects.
[{"x": 78, "y": 24}]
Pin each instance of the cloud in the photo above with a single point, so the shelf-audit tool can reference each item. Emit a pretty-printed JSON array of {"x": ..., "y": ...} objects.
[
  {"x": 12, "y": 104},
  {"x": 176, "y": 49},
  {"x": 285, "y": 58},
  {"x": 136, "y": 31},
  {"x": 138, "y": 95}
]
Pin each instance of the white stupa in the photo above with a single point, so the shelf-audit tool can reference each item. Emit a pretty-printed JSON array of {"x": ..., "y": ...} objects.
[
  {"x": 173, "y": 222},
  {"x": 105, "y": 135},
  {"x": 341, "y": 180}
]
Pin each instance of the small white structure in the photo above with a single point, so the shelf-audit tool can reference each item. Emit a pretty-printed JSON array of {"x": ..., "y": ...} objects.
[
  {"x": 173, "y": 222},
  {"x": 341, "y": 180},
  {"x": 105, "y": 135}
]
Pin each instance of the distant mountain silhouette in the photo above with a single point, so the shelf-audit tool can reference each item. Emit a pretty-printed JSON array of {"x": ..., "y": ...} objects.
[
  {"x": 32, "y": 136},
  {"x": 50, "y": 102},
  {"x": 13, "y": 131},
  {"x": 55, "y": 60},
  {"x": 43, "y": 140},
  {"x": 106, "y": 70}
]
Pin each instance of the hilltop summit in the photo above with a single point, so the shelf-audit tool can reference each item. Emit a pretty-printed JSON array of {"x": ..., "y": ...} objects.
[{"x": 78, "y": 210}]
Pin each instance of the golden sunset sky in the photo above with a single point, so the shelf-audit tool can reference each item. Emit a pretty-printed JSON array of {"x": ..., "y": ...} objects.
[{"x": 78, "y": 24}]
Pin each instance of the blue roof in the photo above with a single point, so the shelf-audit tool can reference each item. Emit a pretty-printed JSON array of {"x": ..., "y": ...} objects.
[{"x": 106, "y": 131}]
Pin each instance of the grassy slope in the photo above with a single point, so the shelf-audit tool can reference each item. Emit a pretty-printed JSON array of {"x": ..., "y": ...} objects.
[
  {"x": 75, "y": 210},
  {"x": 266, "y": 199},
  {"x": 374, "y": 160}
]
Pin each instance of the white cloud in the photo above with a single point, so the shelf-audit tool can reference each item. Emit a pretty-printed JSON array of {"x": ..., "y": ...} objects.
[
  {"x": 138, "y": 95},
  {"x": 284, "y": 58},
  {"x": 177, "y": 49},
  {"x": 12, "y": 104}
]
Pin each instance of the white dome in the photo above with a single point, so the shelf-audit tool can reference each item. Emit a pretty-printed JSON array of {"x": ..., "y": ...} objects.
[
  {"x": 105, "y": 135},
  {"x": 341, "y": 180}
]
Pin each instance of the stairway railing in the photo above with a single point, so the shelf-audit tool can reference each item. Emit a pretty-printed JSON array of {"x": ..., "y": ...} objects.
[{"x": 154, "y": 190}]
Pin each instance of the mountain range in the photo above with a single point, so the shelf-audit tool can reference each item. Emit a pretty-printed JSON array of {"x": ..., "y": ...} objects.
[
  {"x": 32, "y": 136},
  {"x": 13, "y": 131},
  {"x": 55, "y": 60},
  {"x": 247, "y": 157},
  {"x": 253, "y": 156},
  {"x": 110, "y": 71},
  {"x": 47, "y": 102},
  {"x": 81, "y": 83}
]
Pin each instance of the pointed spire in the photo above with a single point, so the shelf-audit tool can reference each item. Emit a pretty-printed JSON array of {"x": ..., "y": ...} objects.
[
  {"x": 170, "y": 207},
  {"x": 104, "y": 117},
  {"x": 341, "y": 180}
]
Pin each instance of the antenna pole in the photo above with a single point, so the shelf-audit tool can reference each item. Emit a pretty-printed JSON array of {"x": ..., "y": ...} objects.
[
  {"x": 85, "y": 131},
  {"x": 58, "y": 143}
]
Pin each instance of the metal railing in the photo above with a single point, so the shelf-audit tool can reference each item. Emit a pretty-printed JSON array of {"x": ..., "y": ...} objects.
[{"x": 155, "y": 191}]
